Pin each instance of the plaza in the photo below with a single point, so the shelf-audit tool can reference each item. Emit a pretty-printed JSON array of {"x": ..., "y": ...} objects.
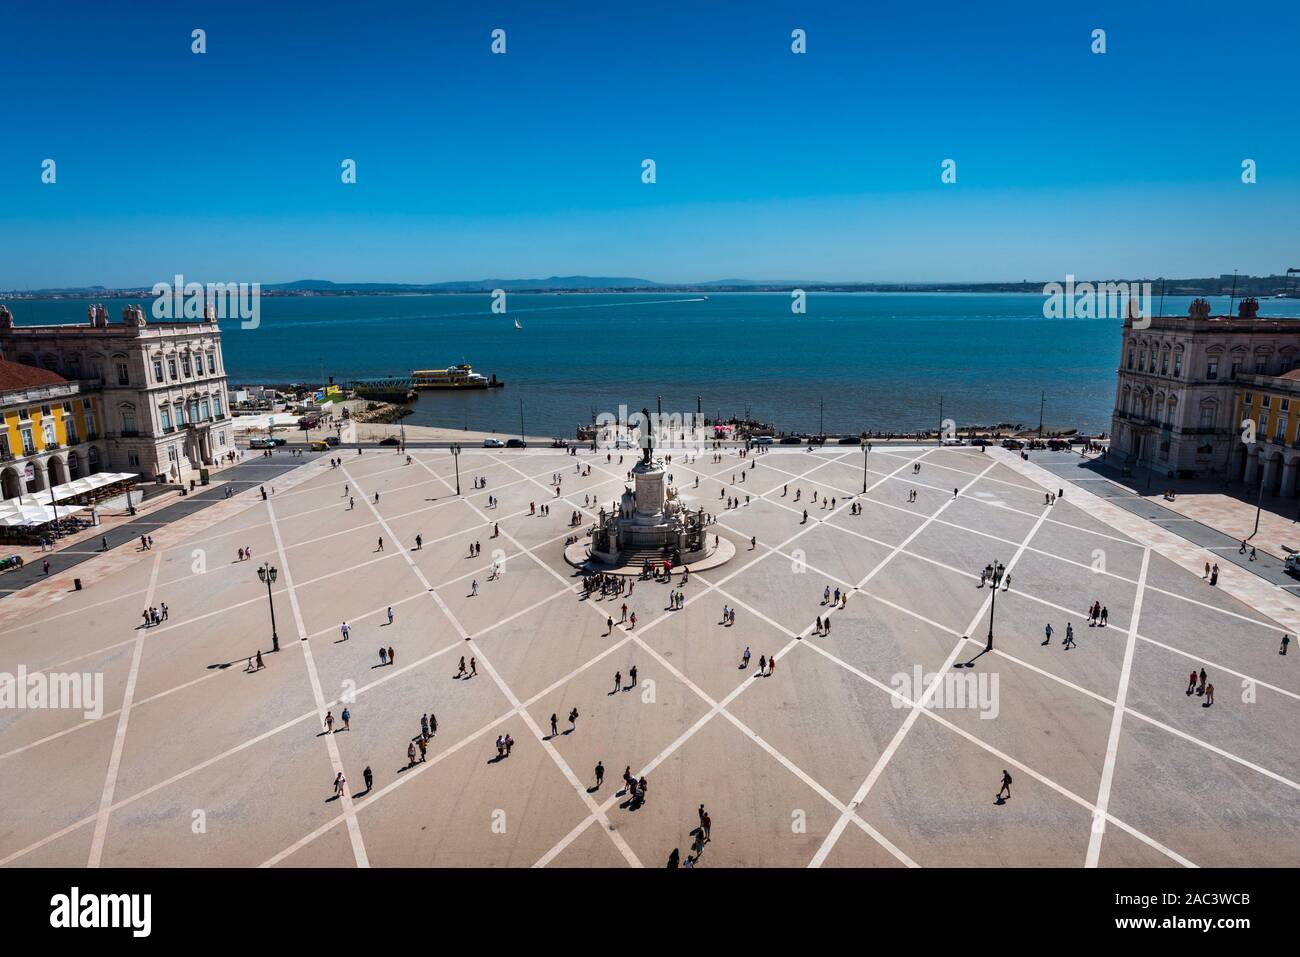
[{"x": 836, "y": 759}]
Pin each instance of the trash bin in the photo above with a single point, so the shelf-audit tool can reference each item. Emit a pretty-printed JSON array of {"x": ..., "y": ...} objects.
[
  {"x": 76, "y": 584},
  {"x": 203, "y": 476}
]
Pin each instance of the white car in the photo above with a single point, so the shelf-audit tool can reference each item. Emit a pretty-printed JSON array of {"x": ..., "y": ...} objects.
[{"x": 493, "y": 444}]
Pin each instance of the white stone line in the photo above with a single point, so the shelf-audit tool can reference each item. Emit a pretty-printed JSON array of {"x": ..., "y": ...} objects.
[
  {"x": 715, "y": 707},
  {"x": 119, "y": 739},
  {"x": 336, "y": 760},
  {"x": 619, "y": 842},
  {"x": 1117, "y": 719},
  {"x": 883, "y": 761},
  {"x": 985, "y": 746}
]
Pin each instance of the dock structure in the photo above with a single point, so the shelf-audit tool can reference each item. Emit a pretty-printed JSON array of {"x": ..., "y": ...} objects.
[{"x": 383, "y": 389}]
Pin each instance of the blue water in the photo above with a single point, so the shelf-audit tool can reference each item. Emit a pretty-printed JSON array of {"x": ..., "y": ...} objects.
[{"x": 876, "y": 360}]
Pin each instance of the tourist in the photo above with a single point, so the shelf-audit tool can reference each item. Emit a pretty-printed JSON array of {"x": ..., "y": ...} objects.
[
  {"x": 573, "y": 720},
  {"x": 392, "y": 657},
  {"x": 600, "y": 774},
  {"x": 261, "y": 665},
  {"x": 1069, "y": 636},
  {"x": 1209, "y": 696},
  {"x": 329, "y": 722},
  {"x": 347, "y": 632},
  {"x": 1004, "y": 792},
  {"x": 1047, "y": 631},
  {"x": 554, "y": 725},
  {"x": 340, "y": 785},
  {"x": 1286, "y": 640},
  {"x": 347, "y": 719},
  {"x": 368, "y": 776},
  {"x": 1191, "y": 683}
]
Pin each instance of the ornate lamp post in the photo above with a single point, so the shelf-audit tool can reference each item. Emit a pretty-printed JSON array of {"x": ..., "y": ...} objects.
[
  {"x": 455, "y": 455},
  {"x": 268, "y": 573}
]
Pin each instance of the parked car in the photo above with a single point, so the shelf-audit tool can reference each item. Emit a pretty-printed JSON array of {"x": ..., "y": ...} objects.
[
  {"x": 516, "y": 444},
  {"x": 491, "y": 443}
]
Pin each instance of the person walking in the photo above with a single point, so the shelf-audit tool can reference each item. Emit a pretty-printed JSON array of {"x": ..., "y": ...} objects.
[
  {"x": 369, "y": 777},
  {"x": 554, "y": 725},
  {"x": 573, "y": 720},
  {"x": 762, "y": 665},
  {"x": 1047, "y": 632},
  {"x": 1286, "y": 640},
  {"x": 1209, "y": 696},
  {"x": 347, "y": 719},
  {"x": 260, "y": 665},
  {"x": 600, "y": 774},
  {"x": 1069, "y": 636},
  {"x": 1191, "y": 684},
  {"x": 329, "y": 722},
  {"x": 410, "y": 755},
  {"x": 390, "y": 614},
  {"x": 1004, "y": 793},
  {"x": 346, "y": 631}
]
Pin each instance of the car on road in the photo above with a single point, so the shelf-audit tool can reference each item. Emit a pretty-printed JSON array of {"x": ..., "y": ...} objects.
[
  {"x": 331, "y": 440},
  {"x": 262, "y": 444},
  {"x": 953, "y": 441},
  {"x": 516, "y": 444},
  {"x": 320, "y": 445},
  {"x": 762, "y": 440},
  {"x": 493, "y": 444},
  {"x": 792, "y": 440},
  {"x": 1014, "y": 444},
  {"x": 391, "y": 440},
  {"x": 980, "y": 442},
  {"x": 850, "y": 440}
]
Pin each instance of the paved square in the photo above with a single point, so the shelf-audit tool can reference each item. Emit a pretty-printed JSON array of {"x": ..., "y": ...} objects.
[{"x": 878, "y": 742}]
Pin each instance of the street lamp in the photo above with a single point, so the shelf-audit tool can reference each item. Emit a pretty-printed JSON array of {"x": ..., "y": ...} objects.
[
  {"x": 866, "y": 447},
  {"x": 268, "y": 573},
  {"x": 455, "y": 455},
  {"x": 998, "y": 571}
]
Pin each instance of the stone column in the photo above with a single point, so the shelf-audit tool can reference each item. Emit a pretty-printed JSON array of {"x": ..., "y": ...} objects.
[
  {"x": 1288, "y": 477},
  {"x": 1270, "y": 472}
]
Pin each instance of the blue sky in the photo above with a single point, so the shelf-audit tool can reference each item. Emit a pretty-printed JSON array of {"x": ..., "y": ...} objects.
[{"x": 226, "y": 166}]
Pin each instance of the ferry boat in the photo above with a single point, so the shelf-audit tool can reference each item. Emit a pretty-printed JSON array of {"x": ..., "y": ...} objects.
[{"x": 454, "y": 377}]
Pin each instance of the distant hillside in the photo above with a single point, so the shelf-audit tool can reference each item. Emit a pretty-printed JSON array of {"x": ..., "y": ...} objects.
[{"x": 556, "y": 283}]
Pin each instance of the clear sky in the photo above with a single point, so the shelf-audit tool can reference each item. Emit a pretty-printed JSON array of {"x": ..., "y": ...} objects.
[{"x": 825, "y": 166}]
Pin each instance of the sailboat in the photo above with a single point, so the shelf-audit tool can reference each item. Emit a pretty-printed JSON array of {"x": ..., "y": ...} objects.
[{"x": 517, "y": 325}]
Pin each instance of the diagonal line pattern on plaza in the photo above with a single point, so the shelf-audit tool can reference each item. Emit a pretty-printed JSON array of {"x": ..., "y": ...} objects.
[
  {"x": 559, "y": 594},
  {"x": 551, "y": 751},
  {"x": 336, "y": 760}
]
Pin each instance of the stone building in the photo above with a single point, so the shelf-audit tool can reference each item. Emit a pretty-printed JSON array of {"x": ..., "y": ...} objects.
[
  {"x": 160, "y": 385},
  {"x": 49, "y": 431},
  {"x": 1178, "y": 392}
]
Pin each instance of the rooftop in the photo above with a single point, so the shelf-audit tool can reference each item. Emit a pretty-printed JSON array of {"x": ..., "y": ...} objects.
[{"x": 16, "y": 375}]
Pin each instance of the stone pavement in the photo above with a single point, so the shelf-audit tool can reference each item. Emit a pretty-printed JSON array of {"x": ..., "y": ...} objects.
[{"x": 879, "y": 741}]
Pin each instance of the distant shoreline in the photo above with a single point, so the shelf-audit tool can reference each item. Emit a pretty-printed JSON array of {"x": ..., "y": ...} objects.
[{"x": 1258, "y": 286}]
